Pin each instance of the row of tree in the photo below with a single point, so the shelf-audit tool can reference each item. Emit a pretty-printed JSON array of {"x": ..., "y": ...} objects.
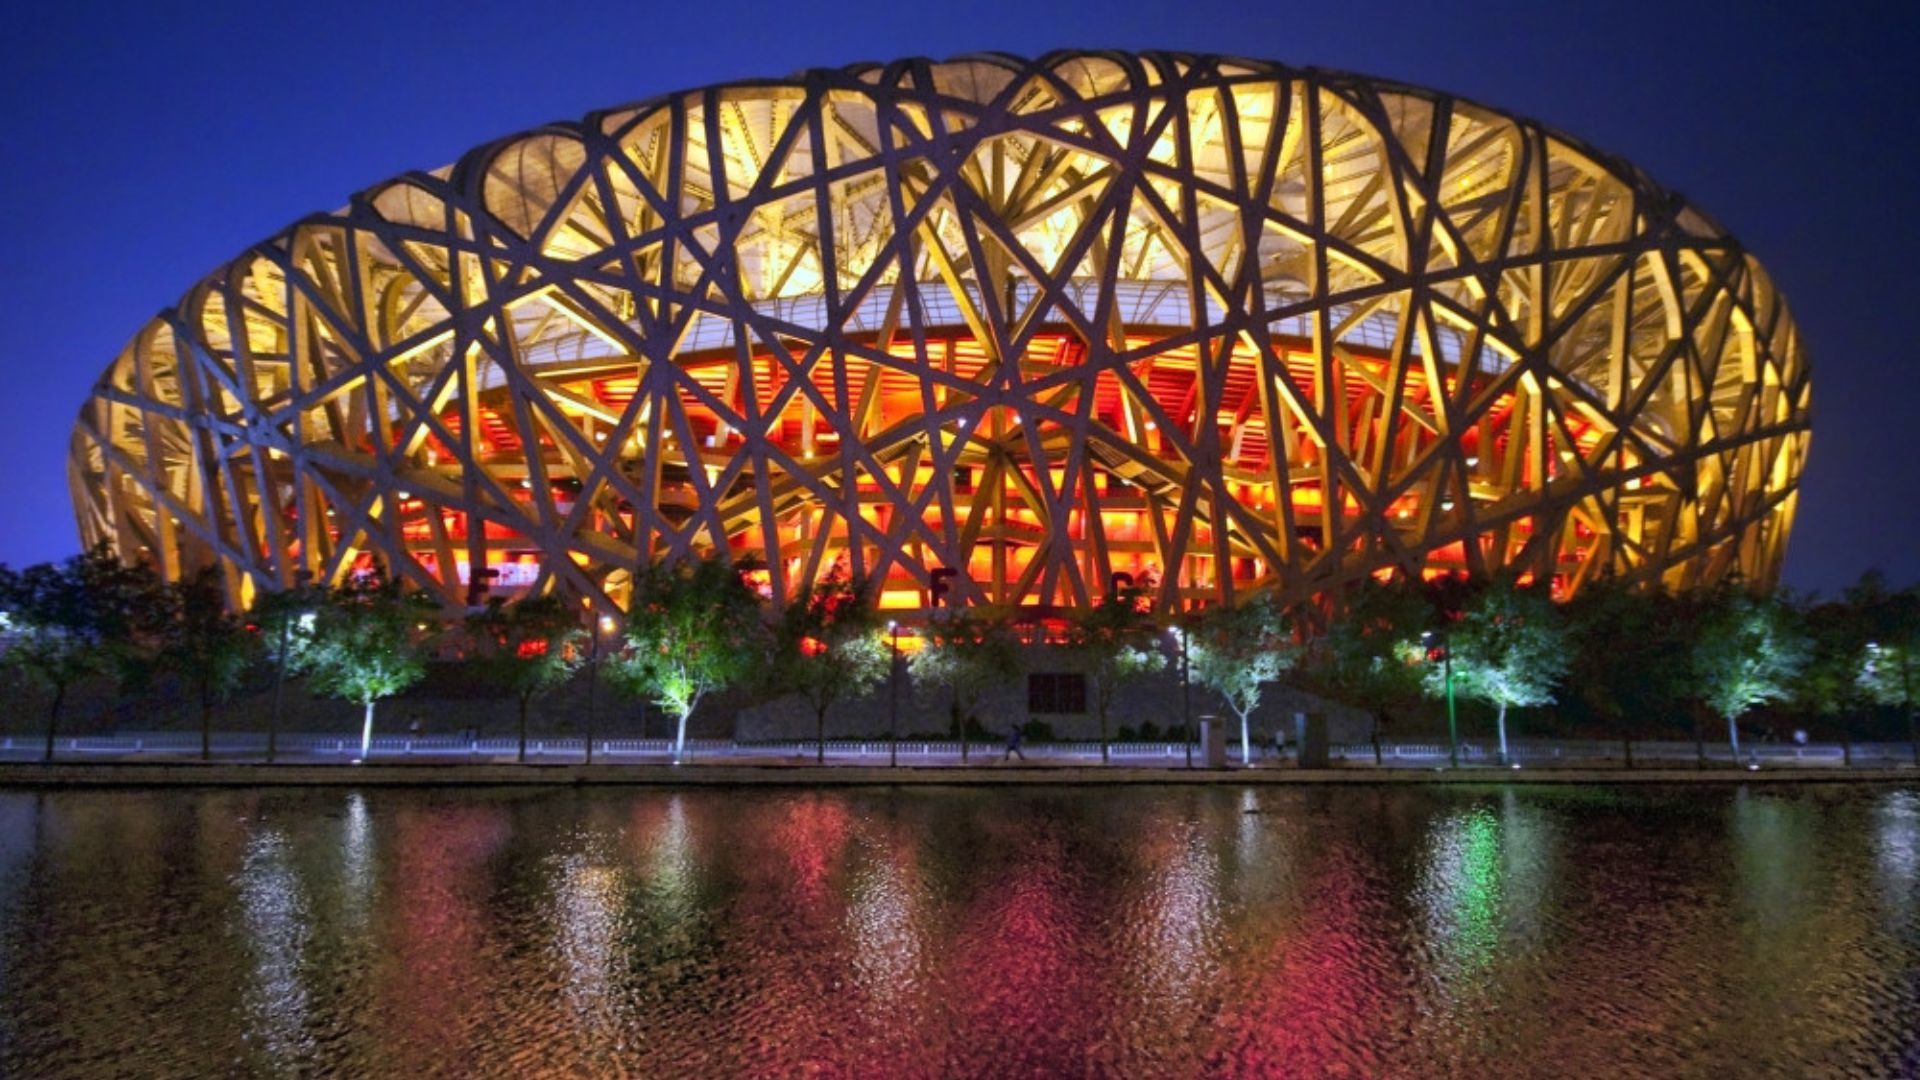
[{"x": 1611, "y": 658}]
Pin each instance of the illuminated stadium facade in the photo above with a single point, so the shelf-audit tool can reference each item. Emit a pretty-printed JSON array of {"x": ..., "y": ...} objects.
[{"x": 1221, "y": 325}]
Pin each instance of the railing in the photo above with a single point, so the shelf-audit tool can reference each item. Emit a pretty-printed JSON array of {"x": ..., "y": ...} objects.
[{"x": 1424, "y": 754}]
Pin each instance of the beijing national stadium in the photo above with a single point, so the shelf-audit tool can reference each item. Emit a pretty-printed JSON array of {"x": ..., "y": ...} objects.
[{"x": 1009, "y": 326}]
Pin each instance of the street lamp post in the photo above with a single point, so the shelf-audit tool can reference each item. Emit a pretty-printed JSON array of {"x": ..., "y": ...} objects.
[
  {"x": 1453, "y": 723},
  {"x": 1186, "y": 696},
  {"x": 279, "y": 684},
  {"x": 893, "y": 685},
  {"x": 602, "y": 625}
]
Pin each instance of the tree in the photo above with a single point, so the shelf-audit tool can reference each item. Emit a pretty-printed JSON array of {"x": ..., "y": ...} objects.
[
  {"x": 368, "y": 643},
  {"x": 1829, "y": 683},
  {"x": 968, "y": 652},
  {"x": 60, "y": 623},
  {"x": 286, "y": 619},
  {"x": 1630, "y": 655},
  {"x": 1508, "y": 648},
  {"x": 1889, "y": 666},
  {"x": 1235, "y": 651},
  {"x": 1746, "y": 651},
  {"x": 1114, "y": 644},
  {"x": 190, "y": 634},
  {"x": 830, "y": 649},
  {"x": 526, "y": 649},
  {"x": 1361, "y": 658},
  {"x": 693, "y": 629}
]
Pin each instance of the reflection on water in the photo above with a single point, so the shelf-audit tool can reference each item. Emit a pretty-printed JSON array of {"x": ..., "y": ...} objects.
[
  {"x": 274, "y": 914},
  {"x": 1143, "y": 931},
  {"x": 1897, "y": 847}
]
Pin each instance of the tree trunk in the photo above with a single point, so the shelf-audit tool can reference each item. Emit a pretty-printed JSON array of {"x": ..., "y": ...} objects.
[
  {"x": 680, "y": 732},
  {"x": 53, "y": 719},
  {"x": 1104, "y": 759},
  {"x": 960, "y": 721},
  {"x": 206, "y": 730},
  {"x": 593, "y": 679},
  {"x": 1501, "y": 722},
  {"x": 1913, "y": 736},
  {"x": 820, "y": 735},
  {"x": 1246, "y": 743},
  {"x": 523, "y": 730},
  {"x": 1699, "y": 743},
  {"x": 1626, "y": 744},
  {"x": 366, "y": 733},
  {"x": 1733, "y": 737}
]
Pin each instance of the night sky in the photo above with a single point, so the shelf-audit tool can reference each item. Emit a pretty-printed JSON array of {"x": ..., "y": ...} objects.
[{"x": 144, "y": 147}]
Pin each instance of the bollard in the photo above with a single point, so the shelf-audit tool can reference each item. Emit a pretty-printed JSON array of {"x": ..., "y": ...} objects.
[
  {"x": 1311, "y": 732},
  {"x": 1213, "y": 743}
]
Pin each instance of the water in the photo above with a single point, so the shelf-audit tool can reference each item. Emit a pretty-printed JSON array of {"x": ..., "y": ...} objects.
[{"x": 971, "y": 932}]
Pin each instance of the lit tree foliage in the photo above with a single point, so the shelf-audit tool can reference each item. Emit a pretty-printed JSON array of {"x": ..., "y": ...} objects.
[
  {"x": 1747, "y": 650},
  {"x": 1889, "y": 664},
  {"x": 1629, "y": 657},
  {"x": 61, "y": 622},
  {"x": 369, "y": 642},
  {"x": 189, "y": 633},
  {"x": 526, "y": 649},
  {"x": 693, "y": 629},
  {"x": 1362, "y": 658},
  {"x": 831, "y": 648},
  {"x": 1234, "y": 651},
  {"x": 1114, "y": 643},
  {"x": 286, "y": 620},
  {"x": 968, "y": 652},
  {"x": 1509, "y": 648},
  {"x": 1831, "y": 682}
]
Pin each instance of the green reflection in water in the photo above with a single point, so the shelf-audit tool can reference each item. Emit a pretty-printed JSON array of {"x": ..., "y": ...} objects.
[
  {"x": 1464, "y": 890},
  {"x": 1489, "y": 871}
]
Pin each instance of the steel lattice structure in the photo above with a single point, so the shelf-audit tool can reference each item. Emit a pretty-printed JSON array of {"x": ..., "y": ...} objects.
[{"x": 1220, "y": 324}]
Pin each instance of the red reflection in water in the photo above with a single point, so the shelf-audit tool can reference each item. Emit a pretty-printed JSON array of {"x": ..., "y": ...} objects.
[
  {"x": 438, "y": 861},
  {"x": 1021, "y": 980},
  {"x": 1318, "y": 981},
  {"x": 796, "y": 969},
  {"x": 813, "y": 834}
]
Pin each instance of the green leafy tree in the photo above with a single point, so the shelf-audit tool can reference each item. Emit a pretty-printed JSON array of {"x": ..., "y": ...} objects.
[
  {"x": 60, "y": 623},
  {"x": 830, "y": 649},
  {"x": 1747, "y": 651},
  {"x": 968, "y": 652},
  {"x": 369, "y": 642},
  {"x": 1889, "y": 662},
  {"x": 1362, "y": 656},
  {"x": 1114, "y": 644},
  {"x": 693, "y": 629},
  {"x": 190, "y": 634},
  {"x": 1509, "y": 648},
  {"x": 1629, "y": 655},
  {"x": 526, "y": 649},
  {"x": 1235, "y": 651},
  {"x": 286, "y": 619},
  {"x": 1829, "y": 684}
]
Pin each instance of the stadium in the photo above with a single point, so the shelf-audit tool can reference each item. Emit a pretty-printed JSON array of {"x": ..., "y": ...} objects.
[{"x": 995, "y": 328}]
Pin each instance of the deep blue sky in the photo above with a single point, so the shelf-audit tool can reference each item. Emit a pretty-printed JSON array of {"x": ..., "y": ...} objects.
[{"x": 143, "y": 147}]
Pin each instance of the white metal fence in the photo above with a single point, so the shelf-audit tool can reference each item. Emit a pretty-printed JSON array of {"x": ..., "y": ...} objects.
[{"x": 306, "y": 746}]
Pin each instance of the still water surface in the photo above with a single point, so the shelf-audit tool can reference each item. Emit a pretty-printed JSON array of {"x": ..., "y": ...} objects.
[{"x": 971, "y": 932}]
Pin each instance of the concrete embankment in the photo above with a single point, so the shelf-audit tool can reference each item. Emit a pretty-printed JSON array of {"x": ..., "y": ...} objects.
[{"x": 773, "y": 774}]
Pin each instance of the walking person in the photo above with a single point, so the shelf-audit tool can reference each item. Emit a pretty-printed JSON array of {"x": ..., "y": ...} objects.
[{"x": 1013, "y": 744}]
